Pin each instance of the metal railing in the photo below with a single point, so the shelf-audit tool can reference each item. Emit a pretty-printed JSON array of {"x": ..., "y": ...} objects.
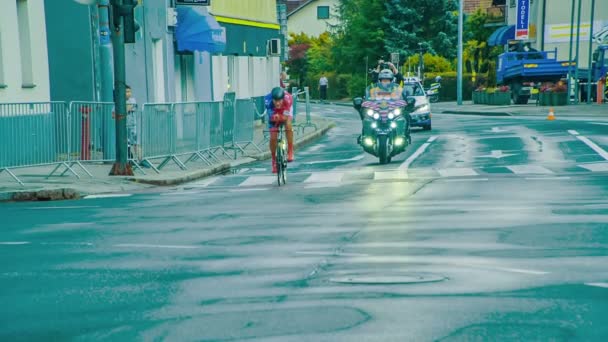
[{"x": 70, "y": 136}]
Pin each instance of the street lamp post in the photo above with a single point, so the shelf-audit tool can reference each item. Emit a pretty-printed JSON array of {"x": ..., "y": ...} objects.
[
  {"x": 576, "y": 61},
  {"x": 460, "y": 32},
  {"x": 589, "y": 74},
  {"x": 570, "y": 53}
]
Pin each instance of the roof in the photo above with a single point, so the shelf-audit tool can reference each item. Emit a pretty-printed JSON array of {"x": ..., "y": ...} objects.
[{"x": 300, "y": 7}]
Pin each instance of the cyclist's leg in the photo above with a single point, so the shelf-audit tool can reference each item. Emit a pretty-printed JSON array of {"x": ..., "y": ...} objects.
[
  {"x": 273, "y": 147},
  {"x": 289, "y": 133}
]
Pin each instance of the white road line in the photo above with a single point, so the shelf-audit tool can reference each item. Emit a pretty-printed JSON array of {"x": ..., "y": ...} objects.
[
  {"x": 593, "y": 146},
  {"x": 600, "y": 123},
  {"x": 546, "y": 178},
  {"x": 140, "y": 245},
  {"x": 259, "y": 180},
  {"x": 14, "y": 243},
  {"x": 325, "y": 177},
  {"x": 603, "y": 285},
  {"x": 66, "y": 207},
  {"x": 466, "y": 180},
  {"x": 204, "y": 183},
  {"x": 595, "y": 167},
  {"x": 529, "y": 169},
  {"x": 181, "y": 193},
  {"x": 359, "y": 157},
  {"x": 457, "y": 172},
  {"x": 518, "y": 270},
  {"x": 387, "y": 175},
  {"x": 245, "y": 190},
  {"x": 107, "y": 196},
  {"x": 590, "y": 143},
  {"x": 406, "y": 164}
]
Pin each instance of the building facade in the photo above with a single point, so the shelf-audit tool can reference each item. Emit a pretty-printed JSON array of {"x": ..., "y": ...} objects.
[
  {"x": 313, "y": 17},
  {"x": 24, "y": 69}
]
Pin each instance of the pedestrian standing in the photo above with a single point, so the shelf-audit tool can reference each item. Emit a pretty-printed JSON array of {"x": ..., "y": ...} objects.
[{"x": 323, "y": 85}]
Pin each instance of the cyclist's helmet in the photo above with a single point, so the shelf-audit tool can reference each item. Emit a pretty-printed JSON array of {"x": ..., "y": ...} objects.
[{"x": 277, "y": 93}]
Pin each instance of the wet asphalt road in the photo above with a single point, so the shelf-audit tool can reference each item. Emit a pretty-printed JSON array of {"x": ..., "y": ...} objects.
[{"x": 485, "y": 229}]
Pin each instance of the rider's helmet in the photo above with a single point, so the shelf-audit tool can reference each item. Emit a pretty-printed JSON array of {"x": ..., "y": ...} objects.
[
  {"x": 438, "y": 79},
  {"x": 385, "y": 78},
  {"x": 277, "y": 93}
]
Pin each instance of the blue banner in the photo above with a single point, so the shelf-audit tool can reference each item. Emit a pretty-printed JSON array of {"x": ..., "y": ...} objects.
[{"x": 522, "y": 26}]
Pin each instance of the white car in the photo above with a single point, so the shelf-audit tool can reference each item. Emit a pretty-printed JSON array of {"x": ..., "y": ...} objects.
[{"x": 421, "y": 116}]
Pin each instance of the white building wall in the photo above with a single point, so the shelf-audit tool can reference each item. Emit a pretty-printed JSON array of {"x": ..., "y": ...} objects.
[{"x": 13, "y": 86}]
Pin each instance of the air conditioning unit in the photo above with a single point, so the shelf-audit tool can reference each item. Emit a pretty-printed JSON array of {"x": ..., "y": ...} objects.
[
  {"x": 171, "y": 17},
  {"x": 274, "y": 47}
]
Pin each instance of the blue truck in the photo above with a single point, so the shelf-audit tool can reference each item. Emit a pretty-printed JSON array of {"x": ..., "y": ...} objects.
[{"x": 523, "y": 68}]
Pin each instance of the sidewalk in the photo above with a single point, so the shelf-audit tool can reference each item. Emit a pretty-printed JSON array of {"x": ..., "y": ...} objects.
[
  {"x": 531, "y": 109},
  {"x": 38, "y": 187}
]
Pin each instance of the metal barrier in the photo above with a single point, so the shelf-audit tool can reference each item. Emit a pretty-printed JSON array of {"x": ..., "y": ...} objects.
[
  {"x": 54, "y": 133},
  {"x": 308, "y": 123},
  {"x": 35, "y": 134}
]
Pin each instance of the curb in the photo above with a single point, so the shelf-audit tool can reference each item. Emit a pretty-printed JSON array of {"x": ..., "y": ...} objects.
[
  {"x": 333, "y": 103},
  {"x": 41, "y": 195},
  {"x": 297, "y": 144},
  {"x": 476, "y": 113},
  {"x": 194, "y": 175}
]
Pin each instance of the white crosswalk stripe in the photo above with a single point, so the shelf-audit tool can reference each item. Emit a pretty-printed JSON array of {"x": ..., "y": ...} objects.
[
  {"x": 595, "y": 167},
  {"x": 457, "y": 172},
  {"x": 259, "y": 180},
  {"x": 529, "y": 169},
  {"x": 325, "y": 177},
  {"x": 390, "y": 175}
]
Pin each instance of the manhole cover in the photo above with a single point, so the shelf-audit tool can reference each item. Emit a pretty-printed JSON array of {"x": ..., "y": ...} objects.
[{"x": 389, "y": 279}]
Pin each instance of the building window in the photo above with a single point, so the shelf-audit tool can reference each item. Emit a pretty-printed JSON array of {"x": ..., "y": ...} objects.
[
  {"x": 322, "y": 12},
  {"x": 25, "y": 44}
]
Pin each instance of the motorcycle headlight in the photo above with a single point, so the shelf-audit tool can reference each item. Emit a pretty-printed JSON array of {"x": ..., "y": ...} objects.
[
  {"x": 397, "y": 111},
  {"x": 393, "y": 124},
  {"x": 374, "y": 125},
  {"x": 370, "y": 112},
  {"x": 376, "y": 116},
  {"x": 391, "y": 116}
]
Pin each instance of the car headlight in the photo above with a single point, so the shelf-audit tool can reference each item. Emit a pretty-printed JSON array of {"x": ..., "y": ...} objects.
[
  {"x": 370, "y": 112},
  {"x": 422, "y": 109}
]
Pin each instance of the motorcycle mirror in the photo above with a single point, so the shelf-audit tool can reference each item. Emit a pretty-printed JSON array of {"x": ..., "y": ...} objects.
[{"x": 357, "y": 102}]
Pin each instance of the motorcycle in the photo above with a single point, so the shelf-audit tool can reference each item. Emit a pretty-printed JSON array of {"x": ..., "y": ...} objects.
[
  {"x": 386, "y": 125},
  {"x": 433, "y": 92}
]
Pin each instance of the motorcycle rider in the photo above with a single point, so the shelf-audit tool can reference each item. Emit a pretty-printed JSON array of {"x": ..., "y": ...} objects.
[{"x": 385, "y": 84}]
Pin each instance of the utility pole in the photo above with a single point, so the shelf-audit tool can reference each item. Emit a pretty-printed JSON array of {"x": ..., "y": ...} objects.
[
  {"x": 577, "y": 59},
  {"x": 123, "y": 31},
  {"x": 589, "y": 74},
  {"x": 460, "y": 32}
]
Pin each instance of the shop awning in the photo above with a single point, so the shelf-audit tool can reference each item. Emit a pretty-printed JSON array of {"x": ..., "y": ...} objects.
[
  {"x": 502, "y": 35},
  {"x": 197, "y": 30}
]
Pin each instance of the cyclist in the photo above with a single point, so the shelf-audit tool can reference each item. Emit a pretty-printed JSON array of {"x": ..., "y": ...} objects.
[{"x": 280, "y": 112}]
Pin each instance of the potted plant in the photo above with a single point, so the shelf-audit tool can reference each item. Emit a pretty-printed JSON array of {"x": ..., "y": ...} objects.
[
  {"x": 502, "y": 96},
  {"x": 477, "y": 95},
  {"x": 544, "y": 96},
  {"x": 559, "y": 94},
  {"x": 490, "y": 93}
]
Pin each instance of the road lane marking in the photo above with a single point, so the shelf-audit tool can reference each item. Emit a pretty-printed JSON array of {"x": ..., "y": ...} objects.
[
  {"x": 603, "y": 285},
  {"x": 142, "y": 245},
  {"x": 203, "y": 183},
  {"x": 246, "y": 190},
  {"x": 388, "y": 175},
  {"x": 573, "y": 132},
  {"x": 359, "y": 157},
  {"x": 593, "y": 146},
  {"x": 547, "y": 178},
  {"x": 14, "y": 243},
  {"x": 595, "y": 167},
  {"x": 529, "y": 169},
  {"x": 107, "y": 196},
  {"x": 457, "y": 172},
  {"x": 66, "y": 207},
  {"x": 466, "y": 180},
  {"x": 406, "y": 164},
  {"x": 325, "y": 177},
  {"x": 259, "y": 180}
]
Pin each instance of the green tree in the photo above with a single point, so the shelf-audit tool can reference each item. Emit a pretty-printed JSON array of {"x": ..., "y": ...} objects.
[
  {"x": 297, "y": 63},
  {"x": 430, "y": 24},
  {"x": 359, "y": 36}
]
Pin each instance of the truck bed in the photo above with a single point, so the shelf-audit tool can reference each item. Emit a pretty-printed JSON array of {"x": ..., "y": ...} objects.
[{"x": 530, "y": 66}]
